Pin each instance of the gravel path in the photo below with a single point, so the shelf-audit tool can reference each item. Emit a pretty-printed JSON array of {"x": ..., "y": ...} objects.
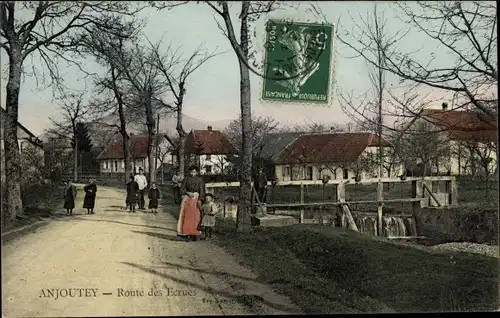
[{"x": 488, "y": 250}]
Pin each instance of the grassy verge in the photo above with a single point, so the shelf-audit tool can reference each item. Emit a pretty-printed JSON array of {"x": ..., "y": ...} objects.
[
  {"x": 331, "y": 270},
  {"x": 39, "y": 203}
]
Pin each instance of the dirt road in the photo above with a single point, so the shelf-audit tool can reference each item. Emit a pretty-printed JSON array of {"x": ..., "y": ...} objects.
[{"x": 115, "y": 263}]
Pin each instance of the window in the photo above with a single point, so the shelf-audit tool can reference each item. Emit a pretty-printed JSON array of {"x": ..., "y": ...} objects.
[
  {"x": 208, "y": 157},
  {"x": 116, "y": 165},
  {"x": 288, "y": 171},
  {"x": 123, "y": 164},
  {"x": 208, "y": 169},
  {"x": 106, "y": 165},
  {"x": 346, "y": 174}
]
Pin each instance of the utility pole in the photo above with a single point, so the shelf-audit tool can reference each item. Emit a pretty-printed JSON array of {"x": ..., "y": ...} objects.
[
  {"x": 380, "y": 90},
  {"x": 75, "y": 168},
  {"x": 157, "y": 142}
]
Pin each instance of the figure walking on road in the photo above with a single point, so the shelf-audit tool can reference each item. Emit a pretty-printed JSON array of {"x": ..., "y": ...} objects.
[
  {"x": 154, "y": 197},
  {"x": 90, "y": 195},
  {"x": 69, "y": 197},
  {"x": 176, "y": 184},
  {"x": 132, "y": 194},
  {"x": 192, "y": 190},
  {"x": 141, "y": 180}
]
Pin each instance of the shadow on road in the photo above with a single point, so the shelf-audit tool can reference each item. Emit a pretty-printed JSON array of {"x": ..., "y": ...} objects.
[
  {"x": 159, "y": 235},
  {"x": 124, "y": 223},
  {"x": 214, "y": 272},
  {"x": 240, "y": 298}
]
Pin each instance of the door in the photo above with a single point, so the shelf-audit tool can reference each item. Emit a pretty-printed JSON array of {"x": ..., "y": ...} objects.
[{"x": 309, "y": 173}]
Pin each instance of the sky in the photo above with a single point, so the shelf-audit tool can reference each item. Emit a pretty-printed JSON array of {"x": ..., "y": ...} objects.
[{"x": 213, "y": 90}]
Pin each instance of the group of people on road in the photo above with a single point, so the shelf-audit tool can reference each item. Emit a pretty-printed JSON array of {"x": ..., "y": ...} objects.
[
  {"x": 136, "y": 190},
  {"x": 197, "y": 209},
  {"x": 88, "y": 201}
]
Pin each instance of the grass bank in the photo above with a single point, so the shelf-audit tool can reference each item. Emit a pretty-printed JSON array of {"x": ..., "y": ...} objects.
[
  {"x": 39, "y": 201},
  {"x": 331, "y": 270}
]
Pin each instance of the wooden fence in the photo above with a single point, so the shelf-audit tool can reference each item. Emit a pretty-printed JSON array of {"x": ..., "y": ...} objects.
[{"x": 436, "y": 191}]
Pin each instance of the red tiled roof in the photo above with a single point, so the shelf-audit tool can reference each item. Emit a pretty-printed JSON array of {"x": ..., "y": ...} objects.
[
  {"x": 465, "y": 125},
  {"x": 208, "y": 142},
  {"x": 328, "y": 148},
  {"x": 138, "y": 145}
]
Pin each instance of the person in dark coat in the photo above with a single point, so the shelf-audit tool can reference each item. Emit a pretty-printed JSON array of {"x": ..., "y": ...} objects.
[
  {"x": 260, "y": 184},
  {"x": 132, "y": 194},
  {"x": 69, "y": 197},
  {"x": 90, "y": 195},
  {"x": 154, "y": 197}
]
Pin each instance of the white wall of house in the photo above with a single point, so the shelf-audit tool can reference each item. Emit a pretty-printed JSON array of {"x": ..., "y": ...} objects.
[
  {"x": 458, "y": 161},
  {"x": 118, "y": 165},
  {"x": 212, "y": 164},
  {"x": 313, "y": 171}
]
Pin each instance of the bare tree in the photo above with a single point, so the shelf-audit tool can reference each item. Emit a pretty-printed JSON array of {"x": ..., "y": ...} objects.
[
  {"x": 312, "y": 127},
  {"x": 49, "y": 32},
  {"x": 74, "y": 111},
  {"x": 426, "y": 149},
  {"x": 371, "y": 108},
  {"x": 480, "y": 156},
  {"x": 176, "y": 71},
  {"x": 112, "y": 88},
  {"x": 471, "y": 69},
  {"x": 163, "y": 151},
  {"x": 261, "y": 126},
  {"x": 250, "y": 12}
]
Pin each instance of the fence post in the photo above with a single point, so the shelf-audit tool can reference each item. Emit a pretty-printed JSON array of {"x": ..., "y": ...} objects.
[
  {"x": 301, "y": 201},
  {"x": 453, "y": 191},
  {"x": 380, "y": 206},
  {"x": 417, "y": 192}
]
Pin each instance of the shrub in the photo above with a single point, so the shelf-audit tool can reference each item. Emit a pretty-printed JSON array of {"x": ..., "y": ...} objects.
[{"x": 475, "y": 224}]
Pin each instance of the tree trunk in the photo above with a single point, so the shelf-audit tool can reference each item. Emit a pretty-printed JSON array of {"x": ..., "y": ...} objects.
[
  {"x": 75, "y": 158},
  {"x": 11, "y": 147},
  {"x": 127, "y": 154},
  {"x": 151, "y": 155},
  {"x": 162, "y": 174},
  {"x": 181, "y": 153},
  {"x": 243, "y": 224},
  {"x": 182, "y": 156}
]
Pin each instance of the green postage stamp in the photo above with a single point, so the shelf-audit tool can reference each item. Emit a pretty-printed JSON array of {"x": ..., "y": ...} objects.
[{"x": 298, "y": 62}]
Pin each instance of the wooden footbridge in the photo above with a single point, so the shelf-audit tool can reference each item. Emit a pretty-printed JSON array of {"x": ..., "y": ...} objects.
[{"x": 436, "y": 191}]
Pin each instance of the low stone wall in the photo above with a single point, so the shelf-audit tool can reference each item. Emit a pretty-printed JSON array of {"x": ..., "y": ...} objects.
[{"x": 459, "y": 224}]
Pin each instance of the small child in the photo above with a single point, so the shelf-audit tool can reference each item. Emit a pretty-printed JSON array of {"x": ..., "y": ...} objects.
[
  {"x": 154, "y": 196},
  {"x": 209, "y": 210}
]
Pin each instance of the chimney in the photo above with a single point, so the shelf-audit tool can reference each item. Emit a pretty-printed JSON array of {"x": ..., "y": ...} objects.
[
  {"x": 209, "y": 128},
  {"x": 444, "y": 106}
]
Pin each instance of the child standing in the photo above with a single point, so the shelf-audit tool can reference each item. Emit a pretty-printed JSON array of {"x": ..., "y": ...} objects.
[
  {"x": 208, "y": 210},
  {"x": 154, "y": 196},
  {"x": 69, "y": 197}
]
